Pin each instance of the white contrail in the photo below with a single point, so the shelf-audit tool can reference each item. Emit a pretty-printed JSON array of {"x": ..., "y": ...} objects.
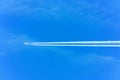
[{"x": 77, "y": 43}]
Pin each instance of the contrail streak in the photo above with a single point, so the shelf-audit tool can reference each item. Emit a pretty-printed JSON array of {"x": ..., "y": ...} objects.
[{"x": 77, "y": 43}]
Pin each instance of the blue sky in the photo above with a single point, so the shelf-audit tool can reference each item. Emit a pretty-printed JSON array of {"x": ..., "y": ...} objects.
[{"x": 58, "y": 20}]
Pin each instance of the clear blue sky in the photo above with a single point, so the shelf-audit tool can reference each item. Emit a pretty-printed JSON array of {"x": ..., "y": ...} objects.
[{"x": 58, "y": 20}]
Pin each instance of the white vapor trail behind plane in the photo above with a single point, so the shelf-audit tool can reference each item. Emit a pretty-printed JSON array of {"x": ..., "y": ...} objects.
[{"x": 77, "y": 43}]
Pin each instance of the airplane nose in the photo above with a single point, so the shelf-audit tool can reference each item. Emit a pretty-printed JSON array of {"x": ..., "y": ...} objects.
[{"x": 26, "y": 43}]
